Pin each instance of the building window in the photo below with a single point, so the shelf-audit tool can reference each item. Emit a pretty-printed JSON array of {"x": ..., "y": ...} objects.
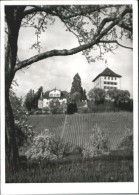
[
  {"x": 115, "y": 78},
  {"x": 108, "y": 78},
  {"x": 104, "y": 77},
  {"x": 111, "y": 78},
  {"x": 106, "y": 87}
]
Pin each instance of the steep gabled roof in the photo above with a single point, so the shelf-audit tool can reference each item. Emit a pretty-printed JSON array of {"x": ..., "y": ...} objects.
[
  {"x": 46, "y": 95},
  {"x": 64, "y": 94},
  {"x": 107, "y": 72}
]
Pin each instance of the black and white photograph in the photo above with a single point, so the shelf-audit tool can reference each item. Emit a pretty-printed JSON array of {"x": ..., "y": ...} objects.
[{"x": 69, "y": 112}]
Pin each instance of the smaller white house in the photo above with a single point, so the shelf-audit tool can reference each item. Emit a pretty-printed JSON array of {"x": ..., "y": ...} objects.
[{"x": 54, "y": 94}]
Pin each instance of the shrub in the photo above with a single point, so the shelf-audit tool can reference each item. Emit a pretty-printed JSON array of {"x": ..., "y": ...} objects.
[
  {"x": 47, "y": 146},
  {"x": 38, "y": 112},
  {"x": 98, "y": 144},
  {"x": 24, "y": 135},
  {"x": 127, "y": 141},
  {"x": 84, "y": 110},
  {"x": 23, "y": 132},
  {"x": 97, "y": 95},
  {"x": 55, "y": 107},
  {"x": 59, "y": 147},
  {"x": 72, "y": 108}
]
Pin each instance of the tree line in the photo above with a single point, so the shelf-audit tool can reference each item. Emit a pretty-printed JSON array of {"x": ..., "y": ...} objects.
[{"x": 78, "y": 94}]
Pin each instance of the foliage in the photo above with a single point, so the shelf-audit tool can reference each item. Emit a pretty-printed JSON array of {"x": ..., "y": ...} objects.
[
  {"x": 23, "y": 132},
  {"x": 37, "y": 96},
  {"x": 76, "y": 84},
  {"x": 107, "y": 106},
  {"x": 75, "y": 97},
  {"x": 16, "y": 104},
  {"x": 72, "y": 108},
  {"x": 84, "y": 110},
  {"x": 97, "y": 95},
  {"x": 127, "y": 141},
  {"x": 31, "y": 101},
  {"x": 55, "y": 107},
  {"x": 98, "y": 144},
  {"x": 109, "y": 168},
  {"x": 77, "y": 93},
  {"x": 95, "y": 26},
  {"x": 47, "y": 146},
  {"x": 84, "y": 97},
  {"x": 119, "y": 96}
]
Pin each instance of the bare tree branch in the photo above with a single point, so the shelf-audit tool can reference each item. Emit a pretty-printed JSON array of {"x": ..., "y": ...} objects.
[
  {"x": 115, "y": 41},
  {"x": 123, "y": 25},
  {"x": 115, "y": 22},
  {"x": 96, "y": 39},
  {"x": 54, "y": 10},
  {"x": 52, "y": 53}
]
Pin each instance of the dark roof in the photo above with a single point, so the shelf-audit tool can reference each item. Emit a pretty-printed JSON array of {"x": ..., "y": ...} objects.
[
  {"x": 46, "y": 94},
  {"x": 64, "y": 94},
  {"x": 107, "y": 72}
]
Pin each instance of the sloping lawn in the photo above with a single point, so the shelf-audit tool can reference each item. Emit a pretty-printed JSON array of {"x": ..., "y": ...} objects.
[{"x": 77, "y": 128}]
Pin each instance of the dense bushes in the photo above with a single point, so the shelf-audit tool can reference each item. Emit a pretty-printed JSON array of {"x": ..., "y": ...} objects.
[
  {"x": 23, "y": 132},
  {"x": 84, "y": 110},
  {"x": 127, "y": 141},
  {"x": 47, "y": 146},
  {"x": 55, "y": 107},
  {"x": 107, "y": 106},
  {"x": 72, "y": 108},
  {"x": 98, "y": 144}
]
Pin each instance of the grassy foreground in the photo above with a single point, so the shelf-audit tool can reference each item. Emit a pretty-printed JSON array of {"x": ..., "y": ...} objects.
[
  {"x": 76, "y": 129},
  {"x": 117, "y": 167}
]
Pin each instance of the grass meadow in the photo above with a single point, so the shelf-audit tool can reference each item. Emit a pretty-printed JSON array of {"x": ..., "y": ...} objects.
[{"x": 76, "y": 129}]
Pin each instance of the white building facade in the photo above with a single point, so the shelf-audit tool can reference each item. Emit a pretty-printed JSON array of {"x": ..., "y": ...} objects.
[
  {"x": 107, "y": 80},
  {"x": 54, "y": 94}
]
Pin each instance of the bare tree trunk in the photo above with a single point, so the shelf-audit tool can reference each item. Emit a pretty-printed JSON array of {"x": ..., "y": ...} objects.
[
  {"x": 13, "y": 15},
  {"x": 12, "y": 156}
]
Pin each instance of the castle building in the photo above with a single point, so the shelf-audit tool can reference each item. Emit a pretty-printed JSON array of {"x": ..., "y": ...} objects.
[
  {"x": 107, "y": 80},
  {"x": 54, "y": 94}
]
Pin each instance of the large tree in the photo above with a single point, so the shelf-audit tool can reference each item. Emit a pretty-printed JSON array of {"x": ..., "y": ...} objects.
[
  {"x": 29, "y": 100},
  {"x": 97, "y": 95},
  {"x": 76, "y": 85},
  {"x": 106, "y": 24},
  {"x": 119, "y": 96}
]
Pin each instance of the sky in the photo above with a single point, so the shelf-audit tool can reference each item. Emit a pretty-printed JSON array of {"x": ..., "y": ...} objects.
[{"x": 58, "y": 72}]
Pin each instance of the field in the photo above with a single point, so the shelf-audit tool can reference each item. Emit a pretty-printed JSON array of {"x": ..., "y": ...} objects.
[
  {"x": 77, "y": 128},
  {"x": 113, "y": 168}
]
